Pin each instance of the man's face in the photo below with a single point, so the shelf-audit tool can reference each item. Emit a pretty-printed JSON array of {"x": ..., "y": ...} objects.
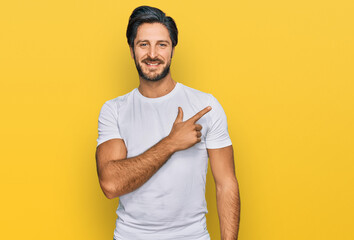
[{"x": 152, "y": 51}]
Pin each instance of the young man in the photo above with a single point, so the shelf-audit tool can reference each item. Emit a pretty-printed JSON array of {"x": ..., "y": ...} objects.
[{"x": 154, "y": 143}]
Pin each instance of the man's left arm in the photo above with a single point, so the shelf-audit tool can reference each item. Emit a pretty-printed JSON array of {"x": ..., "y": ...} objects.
[{"x": 227, "y": 191}]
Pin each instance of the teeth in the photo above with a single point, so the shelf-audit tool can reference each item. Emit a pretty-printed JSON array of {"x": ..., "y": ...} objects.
[{"x": 152, "y": 64}]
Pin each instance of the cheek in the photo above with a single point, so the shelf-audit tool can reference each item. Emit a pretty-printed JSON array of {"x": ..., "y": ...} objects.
[
  {"x": 166, "y": 57},
  {"x": 140, "y": 54}
]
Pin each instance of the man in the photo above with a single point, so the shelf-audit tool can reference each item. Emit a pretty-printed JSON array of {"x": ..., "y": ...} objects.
[{"x": 154, "y": 143}]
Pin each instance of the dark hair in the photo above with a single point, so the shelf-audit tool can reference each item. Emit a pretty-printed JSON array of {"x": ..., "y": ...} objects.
[{"x": 146, "y": 14}]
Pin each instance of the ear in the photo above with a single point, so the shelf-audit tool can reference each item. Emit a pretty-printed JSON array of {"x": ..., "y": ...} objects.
[
  {"x": 173, "y": 51},
  {"x": 131, "y": 52}
]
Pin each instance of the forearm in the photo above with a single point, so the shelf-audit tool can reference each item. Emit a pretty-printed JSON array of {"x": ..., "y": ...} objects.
[
  {"x": 228, "y": 205},
  {"x": 126, "y": 175}
]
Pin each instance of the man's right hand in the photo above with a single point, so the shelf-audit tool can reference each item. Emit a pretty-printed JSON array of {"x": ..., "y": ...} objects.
[{"x": 185, "y": 134}]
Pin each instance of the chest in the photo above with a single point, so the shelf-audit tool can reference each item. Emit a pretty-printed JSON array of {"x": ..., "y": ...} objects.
[{"x": 142, "y": 125}]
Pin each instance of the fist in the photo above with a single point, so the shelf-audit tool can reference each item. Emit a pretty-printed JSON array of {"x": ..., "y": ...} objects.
[{"x": 185, "y": 134}]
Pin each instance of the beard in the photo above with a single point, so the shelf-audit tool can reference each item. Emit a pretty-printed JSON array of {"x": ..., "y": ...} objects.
[{"x": 157, "y": 77}]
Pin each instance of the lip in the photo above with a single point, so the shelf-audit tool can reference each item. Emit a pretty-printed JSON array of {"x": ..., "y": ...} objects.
[{"x": 152, "y": 66}]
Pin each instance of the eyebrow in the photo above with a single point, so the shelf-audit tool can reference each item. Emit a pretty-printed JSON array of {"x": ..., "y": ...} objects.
[{"x": 157, "y": 41}]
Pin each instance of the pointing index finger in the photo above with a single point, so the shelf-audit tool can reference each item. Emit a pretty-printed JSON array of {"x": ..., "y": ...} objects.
[{"x": 200, "y": 114}]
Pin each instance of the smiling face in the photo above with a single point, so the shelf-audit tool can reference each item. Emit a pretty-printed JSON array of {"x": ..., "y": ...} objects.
[{"x": 152, "y": 51}]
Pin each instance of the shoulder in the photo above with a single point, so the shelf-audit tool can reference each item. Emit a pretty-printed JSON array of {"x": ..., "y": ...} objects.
[
  {"x": 197, "y": 94},
  {"x": 118, "y": 102},
  {"x": 111, "y": 109}
]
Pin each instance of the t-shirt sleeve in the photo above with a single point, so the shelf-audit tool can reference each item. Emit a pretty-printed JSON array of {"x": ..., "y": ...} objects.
[
  {"x": 217, "y": 135},
  {"x": 107, "y": 123}
]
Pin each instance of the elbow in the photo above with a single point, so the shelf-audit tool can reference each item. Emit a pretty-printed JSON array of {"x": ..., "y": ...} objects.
[
  {"x": 109, "y": 190},
  {"x": 229, "y": 185},
  {"x": 108, "y": 194}
]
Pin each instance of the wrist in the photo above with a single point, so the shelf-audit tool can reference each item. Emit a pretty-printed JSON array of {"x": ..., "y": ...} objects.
[{"x": 169, "y": 145}]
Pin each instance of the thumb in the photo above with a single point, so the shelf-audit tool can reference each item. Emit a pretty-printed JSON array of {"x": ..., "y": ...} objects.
[{"x": 179, "y": 117}]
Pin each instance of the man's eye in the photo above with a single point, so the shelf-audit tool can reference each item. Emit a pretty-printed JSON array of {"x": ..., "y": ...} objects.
[
  {"x": 143, "y": 44},
  {"x": 163, "y": 45}
]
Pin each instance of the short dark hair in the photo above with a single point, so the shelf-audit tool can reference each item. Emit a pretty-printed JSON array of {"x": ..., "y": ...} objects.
[{"x": 146, "y": 14}]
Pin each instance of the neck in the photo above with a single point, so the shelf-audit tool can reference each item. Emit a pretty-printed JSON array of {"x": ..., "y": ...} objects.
[{"x": 152, "y": 89}]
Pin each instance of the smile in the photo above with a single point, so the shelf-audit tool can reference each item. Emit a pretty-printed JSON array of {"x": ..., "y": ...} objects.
[{"x": 152, "y": 64}]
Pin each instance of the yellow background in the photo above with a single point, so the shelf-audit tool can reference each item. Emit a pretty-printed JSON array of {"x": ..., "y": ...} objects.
[{"x": 282, "y": 70}]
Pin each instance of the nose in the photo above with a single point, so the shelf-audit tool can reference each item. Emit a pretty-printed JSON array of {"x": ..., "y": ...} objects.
[{"x": 152, "y": 52}]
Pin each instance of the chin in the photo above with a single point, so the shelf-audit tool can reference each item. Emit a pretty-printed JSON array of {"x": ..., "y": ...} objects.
[{"x": 152, "y": 79}]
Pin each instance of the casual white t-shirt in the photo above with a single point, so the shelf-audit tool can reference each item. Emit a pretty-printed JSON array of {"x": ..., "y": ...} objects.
[{"x": 171, "y": 204}]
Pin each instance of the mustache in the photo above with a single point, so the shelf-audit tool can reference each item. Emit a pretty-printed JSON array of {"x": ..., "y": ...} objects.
[{"x": 153, "y": 60}]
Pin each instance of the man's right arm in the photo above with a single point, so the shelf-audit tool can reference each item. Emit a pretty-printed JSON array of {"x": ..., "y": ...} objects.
[{"x": 119, "y": 175}]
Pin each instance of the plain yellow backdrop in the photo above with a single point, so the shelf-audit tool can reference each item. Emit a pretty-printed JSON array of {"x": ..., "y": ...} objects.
[{"x": 282, "y": 70}]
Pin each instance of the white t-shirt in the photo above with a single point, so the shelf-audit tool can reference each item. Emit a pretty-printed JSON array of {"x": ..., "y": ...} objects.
[{"x": 171, "y": 204}]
